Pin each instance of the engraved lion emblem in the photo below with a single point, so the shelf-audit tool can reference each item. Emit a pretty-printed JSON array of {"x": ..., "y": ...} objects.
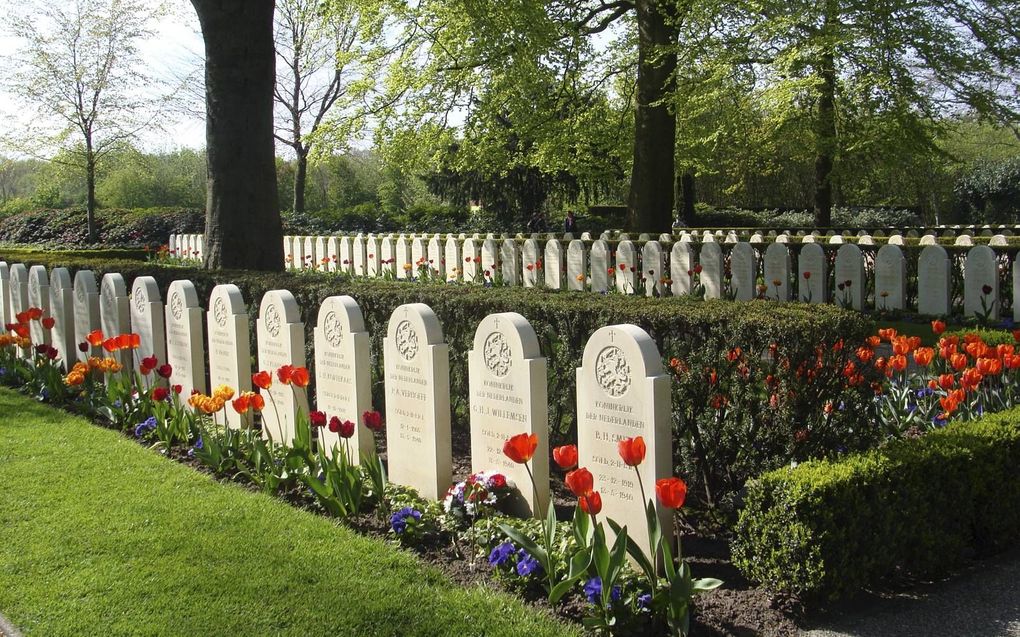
[
  {"x": 406, "y": 340},
  {"x": 612, "y": 371},
  {"x": 496, "y": 354}
]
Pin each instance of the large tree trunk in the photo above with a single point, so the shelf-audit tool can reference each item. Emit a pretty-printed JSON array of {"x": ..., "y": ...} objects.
[
  {"x": 300, "y": 179},
  {"x": 242, "y": 220},
  {"x": 825, "y": 135},
  {"x": 90, "y": 189},
  {"x": 650, "y": 204}
]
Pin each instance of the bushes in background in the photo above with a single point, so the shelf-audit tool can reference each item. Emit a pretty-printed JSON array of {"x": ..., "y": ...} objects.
[
  {"x": 742, "y": 394},
  {"x": 841, "y": 217},
  {"x": 117, "y": 227},
  {"x": 825, "y": 529}
]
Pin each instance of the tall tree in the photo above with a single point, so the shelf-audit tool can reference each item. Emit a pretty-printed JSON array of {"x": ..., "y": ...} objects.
[
  {"x": 79, "y": 71},
  {"x": 242, "y": 220},
  {"x": 328, "y": 62}
]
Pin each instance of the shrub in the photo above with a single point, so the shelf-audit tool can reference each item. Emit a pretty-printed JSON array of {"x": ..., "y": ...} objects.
[
  {"x": 841, "y": 217},
  {"x": 769, "y": 400},
  {"x": 990, "y": 192},
  {"x": 117, "y": 227},
  {"x": 825, "y": 529}
]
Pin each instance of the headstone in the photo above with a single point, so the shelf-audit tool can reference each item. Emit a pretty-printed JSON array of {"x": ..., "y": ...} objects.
[
  {"x": 343, "y": 372},
  {"x": 808, "y": 238},
  {"x": 895, "y": 240},
  {"x": 626, "y": 267},
  {"x": 437, "y": 258},
  {"x": 19, "y": 289},
  {"x": 665, "y": 237},
  {"x": 454, "y": 265},
  {"x": 346, "y": 254},
  {"x": 387, "y": 257},
  {"x": 373, "y": 256},
  {"x": 600, "y": 266},
  {"x": 281, "y": 341},
  {"x": 928, "y": 240},
  {"x": 585, "y": 236},
  {"x": 681, "y": 267},
  {"x": 472, "y": 256},
  {"x": 185, "y": 338},
  {"x": 86, "y": 311},
  {"x": 62, "y": 311},
  {"x": 359, "y": 255},
  {"x": 949, "y": 234},
  {"x": 757, "y": 238},
  {"x": 777, "y": 272},
  {"x": 39, "y": 296},
  {"x": 743, "y": 272},
  {"x": 230, "y": 345},
  {"x": 836, "y": 239},
  {"x": 850, "y": 281},
  {"x": 147, "y": 319},
  {"x": 981, "y": 283},
  {"x": 782, "y": 239},
  {"x": 986, "y": 233},
  {"x": 311, "y": 256},
  {"x": 419, "y": 256},
  {"x": 577, "y": 265},
  {"x": 553, "y": 265},
  {"x": 200, "y": 248},
  {"x": 5, "y": 293},
  {"x": 964, "y": 240},
  {"x": 1016, "y": 289},
  {"x": 998, "y": 241},
  {"x": 653, "y": 268},
  {"x": 417, "y": 376},
  {"x": 490, "y": 259},
  {"x": 322, "y": 254},
  {"x": 890, "y": 278},
  {"x": 532, "y": 257},
  {"x": 622, "y": 392},
  {"x": 813, "y": 279},
  {"x": 933, "y": 281},
  {"x": 299, "y": 253},
  {"x": 865, "y": 240},
  {"x": 508, "y": 396},
  {"x": 115, "y": 313},
  {"x": 912, "y": 234},
  {"x": 510, "y": 260},
  {"x": 711, "y": 261},
  {"x": 402, "y": 258}
]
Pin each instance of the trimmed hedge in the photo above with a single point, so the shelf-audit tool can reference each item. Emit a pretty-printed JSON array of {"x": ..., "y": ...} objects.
[
  {"x": 827, "y": 529},
  {"x": 117, "y": 227},
  {"x": 790, "y": 365}
]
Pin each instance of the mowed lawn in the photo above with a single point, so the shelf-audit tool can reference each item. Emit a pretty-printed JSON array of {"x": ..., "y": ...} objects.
[{"x": 100, "y": 536}]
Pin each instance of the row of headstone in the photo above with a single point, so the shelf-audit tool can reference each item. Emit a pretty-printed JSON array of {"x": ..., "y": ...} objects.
[{"x": 187, "y": 246}]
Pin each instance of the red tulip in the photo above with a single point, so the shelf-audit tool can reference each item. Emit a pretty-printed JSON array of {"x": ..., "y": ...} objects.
[
  {"x": 285, "y": 373},
  {"x": 317, "y": 419},
  {"x": 938, "y": 327},
  {"x": 565, "y": 456},
  {"x": 165, "y": 370},
  {"x": 300, "y": 376},
  {"x": 521, "y": 447},
  {"x": 160, "y": 394},
  {"x": 373, "y": 420},
  {"x": 591, "y": 503},
  {"x": 262, "y": 380},
  {"x": 580, "y": 482},
  {"x": 671, "y": 491},
  {"x": 632, "y": 450},
  {"x": 48, "y": 322},
  {"x": 346, "y": 429},
  {"x": 95, "y": 338}
]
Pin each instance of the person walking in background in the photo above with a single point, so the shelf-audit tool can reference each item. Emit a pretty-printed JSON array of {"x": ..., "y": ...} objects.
[{"x": 570, "y": 223}]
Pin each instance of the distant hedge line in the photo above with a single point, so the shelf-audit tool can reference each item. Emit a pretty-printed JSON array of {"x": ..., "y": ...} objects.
[
  {"x": 717, "y": 454},
  {"x": 117, "y": 227},
  {"x": 826, "y": 529}
]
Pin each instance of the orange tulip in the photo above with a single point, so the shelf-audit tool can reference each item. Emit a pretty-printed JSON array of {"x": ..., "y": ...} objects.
[
  {"x": 591, "y": 503},
  {"x": 35, "y": 313},
  {"x": 949, "y": 404},
  {"x": 580, "y": 482},
  {"x": 958, "y": 361},
  {"x": 95, "y": 338},
  {"x": 901, "y": 346},
  {"x": 123, "y": 341},
  {"x": 923, "y": 356},
  {"x": 262, "y": 380},
  {"x": 521, "y": 448},
  {"x": 285, "y": 373},
  {"x": 258, "y": 403},
  {"x": 135, "y": 341},
  {"x": 110, "y": 345},
  {"x": 887, "y": 334},
  {"x": 671, "y": 491},
  {"x": 938, "y": 327},
  {"x": 865, "y": 354},
  {"x": 300, "y": 376},
  {"x": 565, "y": 456},
  {"x": 946, "y": 381},
  {"x": 898, "y": 363},
  {"x": 874, "y": 341},
  {"x": 242, "y": 403},
  {"x": 632, "y": 450},
  {"x": 1004, "y": 350}
]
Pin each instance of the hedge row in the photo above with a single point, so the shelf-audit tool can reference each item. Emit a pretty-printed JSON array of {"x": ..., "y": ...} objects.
[
  {"x": 117, "y": 227},
  {"x": 761, "y": 427},
  {"x": 825, "y": 529}
]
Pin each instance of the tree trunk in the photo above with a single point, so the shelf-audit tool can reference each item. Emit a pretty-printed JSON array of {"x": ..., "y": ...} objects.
[
  {"x": 300, "y": 179},
  {"x": 243, "y": 228},
  {"x": 689, "y": 194},
  {"x": 90, "y": 197},
  {"x": 650, "y": 204},
  {"x": 825, "y": 134}
]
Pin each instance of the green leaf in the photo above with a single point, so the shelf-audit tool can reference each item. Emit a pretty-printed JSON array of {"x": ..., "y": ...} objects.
[
  {"x": 636, "y": 553},
  {"x": 529, "y": 545},
  {"x": 706, "y": 584}
]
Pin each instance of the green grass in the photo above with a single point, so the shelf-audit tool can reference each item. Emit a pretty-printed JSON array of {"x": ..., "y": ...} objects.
[{"x": 99, "y": 536}]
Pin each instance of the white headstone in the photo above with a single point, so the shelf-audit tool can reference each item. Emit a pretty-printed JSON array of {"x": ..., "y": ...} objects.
[
  {"x": 417, "y": 376},
  {"x": 39, "y": 296},
  {"x": 402, "y": 256},
  {"x": 964, "y": 240},
  {"x": 19, "y": 289},
  {"x": 681, "y": 267},
  {"x": 933, "y": 278},
  {"x": 711, "y": 261},
  {"x": 553, "y": 265},
  {"x": 185, "y": 338},
  {"x": 850, "y": 282},
  {"x": 981, "y": 283},
  {"x": 62, "y": 311},
  {"x": 346, "y": 261},
  {"x": 311, "y": 257},
  {"x": 777, "y": 272},
  {"x": 359, "y": 255},
  {"x": 998, "y": 241},
  {"x": 743, "y": 272},
  {"x": 626, "y": 267},
  {"x": 471, "y": 256},
  {"x": 622, "y": 392},
  {"x": 86, "y": 311},
  {"x": 890, "y": 278},
  {"x": 387, "y": 257},
  {"x": 115, "y": 313},
  {"x": 323, "y": 254},
  {"x": 653, "y": 268},
  {"x": 147, "y": 319},
  {"x": 5, "y": 293},
  {"x": 510, "y": 260},
  {"x": 928, "y": 240},
  {"x": 437, "y": 258},
  {"x": 299, "y": 253},
  {"x": 532, "y": 262},
  {"x": 813, "y": 277},
  {"x": 836, "y": 239},
  {"x": 281, "y": 337},
  {"x": 490, "y": 259},
  {"x": 507, "y": 378},
  {"x": 454, "y": 264},
  {"x": 895, "y": 240},
  {"x": 230, "y": 344},
  {"x": 600, "y": 266},
  {"x": 577, "y": 265},
  {"x": 343, "y": 372}
]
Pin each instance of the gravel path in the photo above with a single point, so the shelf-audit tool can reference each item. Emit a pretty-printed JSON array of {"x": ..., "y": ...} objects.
[
  {"x": 983, "y": 600},
  {"x": 7, "y": 629}
]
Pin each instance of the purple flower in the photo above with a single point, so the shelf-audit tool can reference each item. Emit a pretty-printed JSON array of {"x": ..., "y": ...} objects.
[
  {"x": 398, "y": 521},
  {"x": 593, "y": 590},
  {"x": 145, "y": 427},
  {"x": 644, "y": 600},
  {"x": 500, "y": 554},
  {"x": 526, "y": 564}
]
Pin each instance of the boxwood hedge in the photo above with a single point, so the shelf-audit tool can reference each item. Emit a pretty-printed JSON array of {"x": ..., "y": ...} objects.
[{"x": 826, "y": 529}]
